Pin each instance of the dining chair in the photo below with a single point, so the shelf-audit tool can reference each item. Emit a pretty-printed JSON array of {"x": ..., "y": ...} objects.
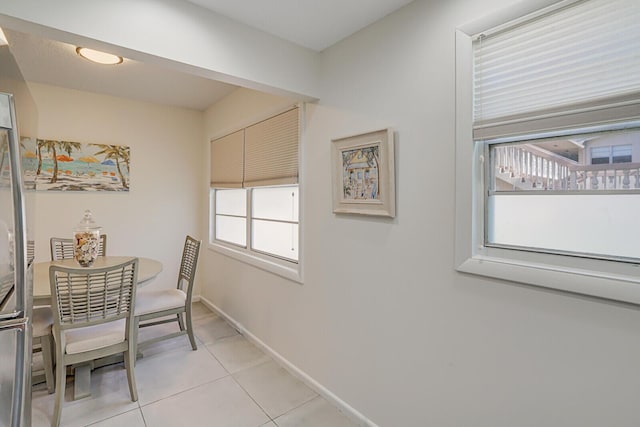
[
  {"x": 42, "y": 321},
  {"x": 7, "y": 287},
  {"x": 171, "y": 305},
  {"x": 31, "y": 251},
  {"x": 62, "y": 248},
  {"x": 93, "y": 317}
]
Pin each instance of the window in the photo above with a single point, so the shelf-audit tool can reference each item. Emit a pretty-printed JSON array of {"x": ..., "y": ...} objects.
[
  {"x": 255, "y": 192},
  {"x": 274, "y": 221},
  {"x": 231, "y": 216},
  {"x": 608, "y": 155},
  {"x": 539, "y": 200},
  {"x": 548, "y": 121}
]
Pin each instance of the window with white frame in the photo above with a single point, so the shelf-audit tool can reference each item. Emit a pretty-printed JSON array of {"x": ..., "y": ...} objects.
[
  {"x": 254, "y": 189},
  {"x": 553, "y": 120},
  {"x": 611, "y": 154}
]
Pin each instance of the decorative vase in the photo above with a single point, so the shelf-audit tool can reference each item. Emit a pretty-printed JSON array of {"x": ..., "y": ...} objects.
[{"x": 86, "y": 241}]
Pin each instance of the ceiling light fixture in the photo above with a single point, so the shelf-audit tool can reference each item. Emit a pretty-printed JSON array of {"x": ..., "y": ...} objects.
[{"x": 99, "y": 57}]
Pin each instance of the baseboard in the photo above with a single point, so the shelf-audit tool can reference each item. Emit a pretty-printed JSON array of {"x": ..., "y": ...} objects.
[{"x": 349, "y": 411}]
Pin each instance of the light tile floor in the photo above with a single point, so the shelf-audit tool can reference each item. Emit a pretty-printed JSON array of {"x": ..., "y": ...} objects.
[{"x": 227, "y": 382}]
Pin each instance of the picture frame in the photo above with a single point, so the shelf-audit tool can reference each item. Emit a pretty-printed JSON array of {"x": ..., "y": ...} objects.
[
  {"x": 52, "y": 165},
  {"x": 364, "y": 174}
]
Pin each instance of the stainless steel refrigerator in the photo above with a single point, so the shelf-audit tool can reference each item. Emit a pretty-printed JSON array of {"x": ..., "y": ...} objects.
[{"x": 15, "y": 264}]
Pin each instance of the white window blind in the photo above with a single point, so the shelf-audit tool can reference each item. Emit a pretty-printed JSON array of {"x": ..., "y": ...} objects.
[
  {"x": 227, "y": 161},
  {"x": 577, "y": 65},
  {"x": 271, "y": 151},
  {"x": 262, "y": 154}
]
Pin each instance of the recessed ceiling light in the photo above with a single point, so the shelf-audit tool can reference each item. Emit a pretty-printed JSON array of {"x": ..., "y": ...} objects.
[{"x": 98, "y": 57}]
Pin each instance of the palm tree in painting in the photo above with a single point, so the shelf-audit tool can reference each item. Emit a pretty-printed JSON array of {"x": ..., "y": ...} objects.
[
  {"x": 68, "y": 146},
  {"x": 4, "y": 146},
  {"x": 50, "y": 146},
  {"x": 117, "y": 153},
  {"x": 39, "y": 155}
]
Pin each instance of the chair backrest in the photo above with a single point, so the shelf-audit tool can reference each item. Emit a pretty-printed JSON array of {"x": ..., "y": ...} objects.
[
  {"x": 90, "y": 296},
  {"x": 31, "y": 251},
  {"x": 62, "y": 248},
  {"x": 102, "y": 245},
  {"x": 188, "y": 264},
  {"x": 7, "y": 286}
]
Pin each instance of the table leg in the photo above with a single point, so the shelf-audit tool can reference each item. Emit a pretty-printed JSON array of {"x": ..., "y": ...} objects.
[
  {"x": 82, "y": 374},
  {"x": 82, "y": 381}
]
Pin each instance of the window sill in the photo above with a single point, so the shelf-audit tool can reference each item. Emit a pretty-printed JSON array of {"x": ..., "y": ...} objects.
[
  {"x": 289, "y": 273},
  {"x": 608, "y": 285}
]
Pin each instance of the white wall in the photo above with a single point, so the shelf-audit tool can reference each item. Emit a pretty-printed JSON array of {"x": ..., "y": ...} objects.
[
  {"x": 382, "y": 320},
  {"x": 175, "y": 33},
  {"x": 163, "y": 204}
]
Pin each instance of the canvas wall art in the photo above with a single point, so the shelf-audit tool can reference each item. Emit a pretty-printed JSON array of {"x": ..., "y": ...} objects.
[
  {"x": 73, "y": 166},
  {"x": 363, "y": 174}
]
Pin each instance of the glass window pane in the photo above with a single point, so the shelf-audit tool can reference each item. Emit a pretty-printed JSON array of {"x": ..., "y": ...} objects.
[
  {"x": 539, "y": 199},
  {"x": 231, "y": 202},
  {"x": 600, "y": 155},
  {"x": 231, "y": 229},
  {"x": 275, "y": 203},
  {"x": 621, "y": 153},
  {"x": 567, "y": 163},
  {"x": 277, "y": 238},
  {"x": 591, "y": 223}
]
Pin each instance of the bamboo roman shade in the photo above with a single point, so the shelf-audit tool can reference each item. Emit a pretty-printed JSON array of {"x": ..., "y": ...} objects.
[
  {"x": 262, "y": 154},
  {"x": 575, "y": 66}
]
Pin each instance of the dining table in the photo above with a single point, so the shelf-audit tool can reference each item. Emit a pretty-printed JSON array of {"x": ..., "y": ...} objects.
[{"x": 148, "y": 269}]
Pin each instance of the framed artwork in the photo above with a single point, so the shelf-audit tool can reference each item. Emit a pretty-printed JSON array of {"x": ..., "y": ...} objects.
[
  {"x": 364, "y": 174},
  {"x": 73, "y": 166}
]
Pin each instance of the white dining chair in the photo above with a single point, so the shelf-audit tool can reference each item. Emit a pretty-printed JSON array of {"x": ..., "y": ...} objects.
[
  {"x": 93, "y": 314},
  {"x": 171, "y": 305},
  {"x": 62, "y": 248},
  {"x": 42, "y": 322}
]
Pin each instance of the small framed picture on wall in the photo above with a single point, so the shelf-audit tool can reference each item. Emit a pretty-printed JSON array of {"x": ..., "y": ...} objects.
[{"x": 364, "y": 174}]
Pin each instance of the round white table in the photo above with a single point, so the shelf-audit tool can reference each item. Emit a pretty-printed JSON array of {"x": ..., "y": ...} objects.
[{"x": 147, "y": 269}]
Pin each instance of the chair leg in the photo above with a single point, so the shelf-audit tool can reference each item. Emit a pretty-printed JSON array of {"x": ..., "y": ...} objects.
[
  {"x": 190, "y": 328},
  {"x": 129, "y": 364},
  {"x": 47, "y": 359},
  {"x": 61, "y": 380},
  {"x": 180, "y": 321},
  {"x": 134, "y": 337}
]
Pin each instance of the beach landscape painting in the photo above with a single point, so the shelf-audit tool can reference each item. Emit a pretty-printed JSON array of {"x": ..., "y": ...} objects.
[{"x": 74, "y": 166}]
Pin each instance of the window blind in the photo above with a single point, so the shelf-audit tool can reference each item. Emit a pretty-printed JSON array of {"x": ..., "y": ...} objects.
[
  {"x": 271, "y": 151},
  {"x": 262, "y": 154},
  {"x": 227, "y": 161},
  {"x": 575, "y": 66}
]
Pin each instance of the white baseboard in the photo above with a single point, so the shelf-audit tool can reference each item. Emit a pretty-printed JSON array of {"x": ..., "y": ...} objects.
[{"x": 349, "y": 411}]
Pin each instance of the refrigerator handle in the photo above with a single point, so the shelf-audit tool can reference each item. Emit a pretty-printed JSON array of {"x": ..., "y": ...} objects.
[{"x": 22, "y": 294}]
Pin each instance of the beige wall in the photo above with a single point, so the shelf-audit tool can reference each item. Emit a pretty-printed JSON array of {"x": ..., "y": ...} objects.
[
  {"x": 164, "y": 202},
  {"x": 382, "y": 320}
]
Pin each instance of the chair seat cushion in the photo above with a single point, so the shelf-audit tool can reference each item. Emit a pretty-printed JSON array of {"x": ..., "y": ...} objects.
[
  {"x": 95, "y": 337},
  {"x": 159, "y": 300},
  {"x": 42, "y": 320}
]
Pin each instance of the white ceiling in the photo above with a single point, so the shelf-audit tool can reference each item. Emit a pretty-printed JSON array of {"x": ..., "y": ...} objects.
[
  {"x": 315, "y": 24},
  {"x": 56, "y": 63}
]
